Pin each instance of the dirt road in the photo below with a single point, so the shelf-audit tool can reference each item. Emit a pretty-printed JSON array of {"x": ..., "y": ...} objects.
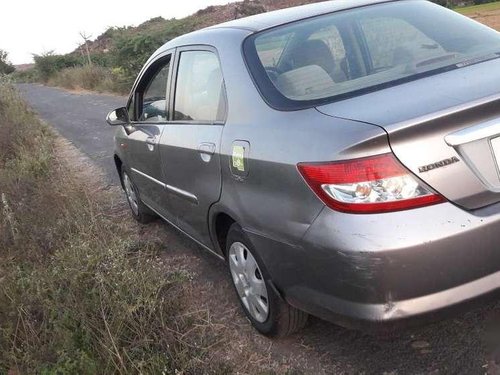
[{"x": 452, "y": 346}]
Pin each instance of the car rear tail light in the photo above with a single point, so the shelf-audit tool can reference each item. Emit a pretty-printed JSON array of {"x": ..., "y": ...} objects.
[{"x": 368, "y": 185}]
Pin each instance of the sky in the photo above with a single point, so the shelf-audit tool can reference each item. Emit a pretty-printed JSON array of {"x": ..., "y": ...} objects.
[{"x": 36, "y": 26}]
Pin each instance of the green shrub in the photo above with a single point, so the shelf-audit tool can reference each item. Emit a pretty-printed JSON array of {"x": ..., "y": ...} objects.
[
  {"x": 25, "y": 76},
  {"x": 132, "y": 52},
  {"x": 102, "y": 59},
  {"x": 5, "y": 66},
  {"x": 48, "y": 64}
]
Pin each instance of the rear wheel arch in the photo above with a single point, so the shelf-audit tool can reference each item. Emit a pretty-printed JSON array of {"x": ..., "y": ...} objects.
[
  {"x": 221, "y": 224},
  {"x": 282, "y": 319}
]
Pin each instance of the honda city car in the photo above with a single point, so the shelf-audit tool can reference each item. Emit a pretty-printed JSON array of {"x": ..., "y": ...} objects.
[{"x": 341, "y": 157}]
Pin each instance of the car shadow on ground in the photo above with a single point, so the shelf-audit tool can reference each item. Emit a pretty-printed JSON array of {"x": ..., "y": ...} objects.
[{"x": 456, "y": 344}]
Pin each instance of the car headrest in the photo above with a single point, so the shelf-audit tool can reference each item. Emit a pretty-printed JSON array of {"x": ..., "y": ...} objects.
[
  {"x": 304, "y": 83},
  {"x": 313, "y": 52}
]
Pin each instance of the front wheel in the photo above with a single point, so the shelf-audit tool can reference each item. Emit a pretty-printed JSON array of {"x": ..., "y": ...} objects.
[
  {"x": 139, "y": 210},
  {"x": 263, "y": 306}
]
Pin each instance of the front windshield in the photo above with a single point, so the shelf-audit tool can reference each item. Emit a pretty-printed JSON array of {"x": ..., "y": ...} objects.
[{"x": 369, "y": 47}]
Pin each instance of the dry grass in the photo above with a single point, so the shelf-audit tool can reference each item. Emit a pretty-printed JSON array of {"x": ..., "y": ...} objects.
[
  {"x": 92, "y": 78},
  {"x": 79, "y": 293},
  {"x": 489, "y": 14},
  {"x": 84, "y": 289},
  {"x": 487, "y": 7}
]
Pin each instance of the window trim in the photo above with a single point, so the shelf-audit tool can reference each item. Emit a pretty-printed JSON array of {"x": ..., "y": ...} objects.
[
  {"x": 359, "y": 33},
  {"x": 173, "y": 88},
  {"x": 145, "y": 74}
]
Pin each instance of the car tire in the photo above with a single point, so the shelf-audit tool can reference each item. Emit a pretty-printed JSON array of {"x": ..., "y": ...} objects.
[
  {"x": 268, "y": 312},
  {"x": 139, "y": 210}
]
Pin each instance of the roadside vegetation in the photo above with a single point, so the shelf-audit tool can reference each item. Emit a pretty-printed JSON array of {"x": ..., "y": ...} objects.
[
  {"x": 480, "y": 7},
  {"x": 118, "y": 54},
  {"x": 5, "y": 66},
  {"x": 91, "y": 78},
  {"x": 79, "y": 293}
]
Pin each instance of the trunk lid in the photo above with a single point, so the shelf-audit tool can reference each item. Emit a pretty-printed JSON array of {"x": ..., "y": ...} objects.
[{"x": 444, "y": 128}]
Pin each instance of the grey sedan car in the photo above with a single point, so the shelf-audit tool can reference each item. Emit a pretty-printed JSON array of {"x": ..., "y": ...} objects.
[{"x": 342, "y": 158}]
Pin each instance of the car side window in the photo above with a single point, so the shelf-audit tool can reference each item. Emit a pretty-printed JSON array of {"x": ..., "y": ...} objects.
[
  {"x": 149, "y": 102},
  {"x": 199, "y": 94},
  {"x": 154, "y": 99}
]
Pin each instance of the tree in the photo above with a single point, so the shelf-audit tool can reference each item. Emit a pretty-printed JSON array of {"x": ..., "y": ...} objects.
[
  {"x": 5, "y": 66},
  {"x": 86, "y": 39},
  {"x": 132, "y": 52},
  {"x": 48, "y": 64}
]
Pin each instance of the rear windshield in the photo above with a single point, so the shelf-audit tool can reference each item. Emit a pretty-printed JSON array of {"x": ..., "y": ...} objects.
[{"x": 350, "y": 52}]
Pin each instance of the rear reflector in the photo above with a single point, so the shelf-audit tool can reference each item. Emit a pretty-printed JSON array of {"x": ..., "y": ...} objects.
[{"x": 368, "y": 185}]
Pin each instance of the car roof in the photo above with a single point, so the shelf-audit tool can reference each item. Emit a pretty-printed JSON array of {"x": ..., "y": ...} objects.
[{"x": 275, "y": 18}]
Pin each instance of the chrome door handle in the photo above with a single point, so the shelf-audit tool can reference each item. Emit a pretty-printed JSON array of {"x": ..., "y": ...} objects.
[
  {"x": 152, "y": 142},
  {"x": 206, "y": 150}
]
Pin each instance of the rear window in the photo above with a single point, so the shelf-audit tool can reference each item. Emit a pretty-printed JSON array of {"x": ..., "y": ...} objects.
[{"x": 350, "y": 52}]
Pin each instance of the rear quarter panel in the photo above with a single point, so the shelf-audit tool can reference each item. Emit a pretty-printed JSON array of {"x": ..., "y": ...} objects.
[{"x": 273, "y": 201}]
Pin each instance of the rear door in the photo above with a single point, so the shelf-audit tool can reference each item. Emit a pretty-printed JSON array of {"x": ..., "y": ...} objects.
[
  {"x": 148, "y": 109},
  {"x": 190, "y": 143}
]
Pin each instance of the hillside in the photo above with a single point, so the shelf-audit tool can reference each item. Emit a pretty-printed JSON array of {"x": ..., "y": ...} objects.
[
  {"x": 209, "y": 16},
  {"x": 118, "y": 54}
]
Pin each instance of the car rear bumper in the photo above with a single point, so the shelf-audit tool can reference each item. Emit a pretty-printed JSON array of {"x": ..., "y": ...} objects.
[
  {"x": 357, "y": 314},
  {"x": 389, "y": 267}
]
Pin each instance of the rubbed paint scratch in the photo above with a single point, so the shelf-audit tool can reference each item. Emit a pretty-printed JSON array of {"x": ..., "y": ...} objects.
[{"x": 389, "y": 304}]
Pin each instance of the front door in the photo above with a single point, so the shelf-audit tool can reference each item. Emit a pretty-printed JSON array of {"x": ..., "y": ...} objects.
[
  {"x": 148, "y": 109},
  {"x": 190, "y": 143}
]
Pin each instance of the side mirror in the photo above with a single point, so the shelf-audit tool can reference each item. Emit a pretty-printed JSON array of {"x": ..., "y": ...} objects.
[{"x": 118, "y": 117}]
